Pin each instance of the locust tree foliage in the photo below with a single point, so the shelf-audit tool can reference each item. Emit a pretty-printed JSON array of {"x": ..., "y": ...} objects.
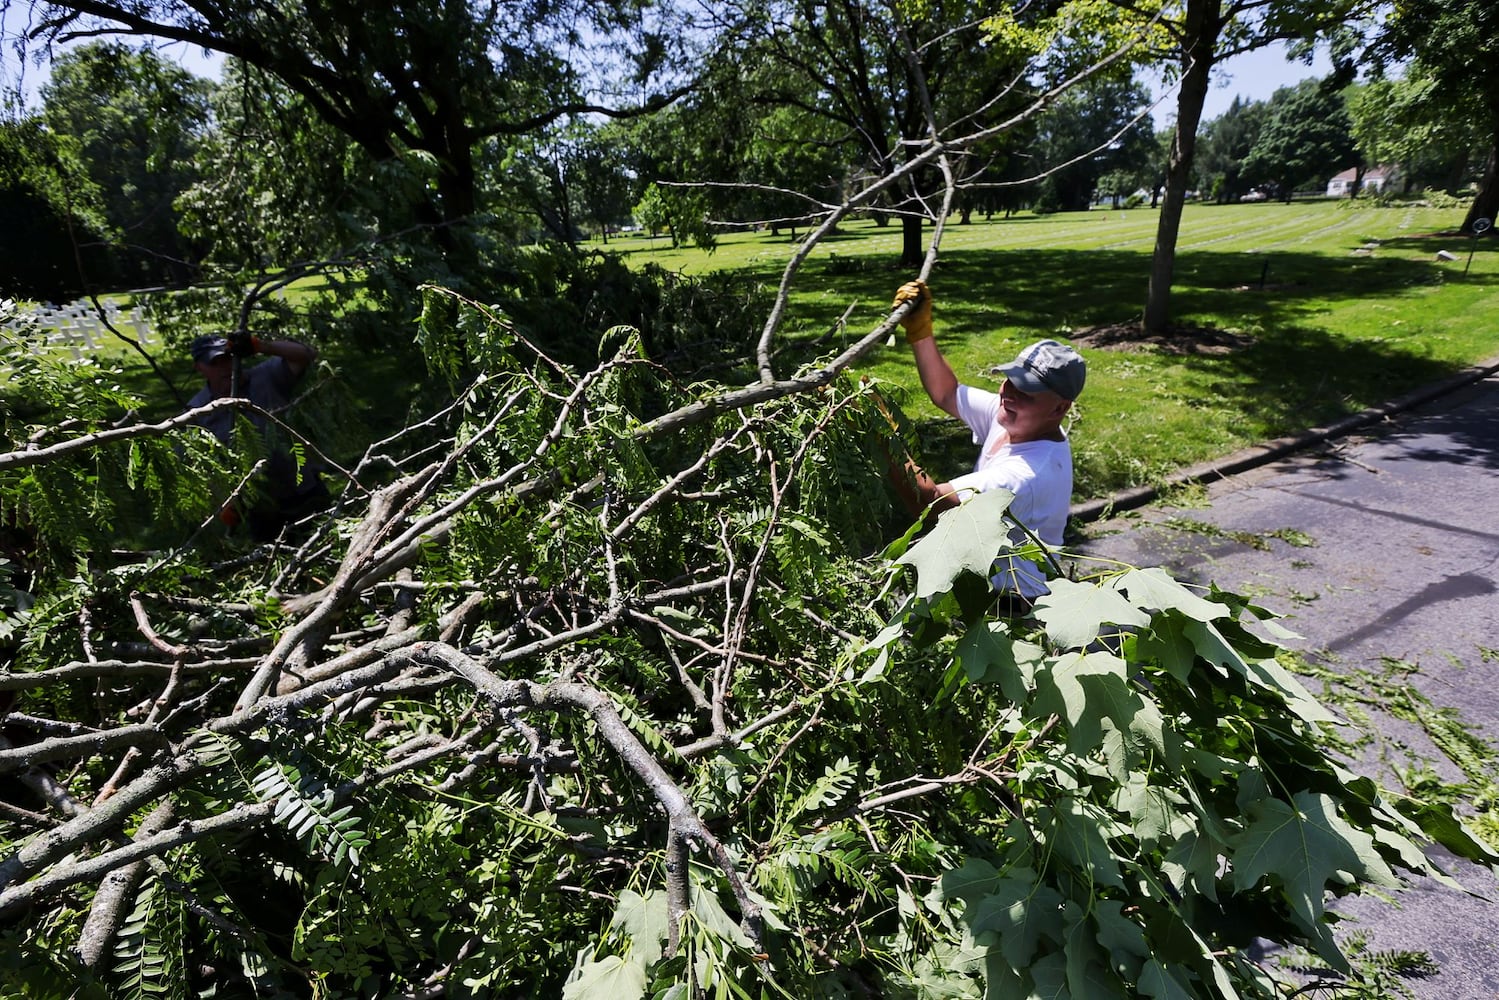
[{"x": 605, "y": 680}]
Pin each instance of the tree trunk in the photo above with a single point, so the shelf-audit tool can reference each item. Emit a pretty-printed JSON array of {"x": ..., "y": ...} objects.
[
  {"x": 1202, "y": 24},
  {"x": 457, "y": 197},
  {"x": 911, "y": 253},
  {"x": 1487, "y": 203}
]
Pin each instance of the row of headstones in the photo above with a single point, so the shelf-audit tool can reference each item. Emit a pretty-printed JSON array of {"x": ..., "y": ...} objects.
[{"x": 78, "y": 326}]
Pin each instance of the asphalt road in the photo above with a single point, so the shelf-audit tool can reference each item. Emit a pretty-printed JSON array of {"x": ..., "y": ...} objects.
[{"x": 1380, "y": 545}]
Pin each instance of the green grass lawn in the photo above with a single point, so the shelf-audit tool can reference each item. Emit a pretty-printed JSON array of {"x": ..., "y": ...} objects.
[{"x": 1339, "y": 307}]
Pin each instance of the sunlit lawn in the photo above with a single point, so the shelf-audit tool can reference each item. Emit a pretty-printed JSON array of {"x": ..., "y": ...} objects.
[{"x": 1343, "y": 307}]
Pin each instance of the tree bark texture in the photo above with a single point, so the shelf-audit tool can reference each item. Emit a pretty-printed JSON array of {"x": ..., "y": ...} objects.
[{"x": 1202, "y": 26}]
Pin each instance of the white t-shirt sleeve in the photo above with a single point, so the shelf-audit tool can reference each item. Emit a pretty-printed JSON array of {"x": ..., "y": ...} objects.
[{"x": 979, "y": 409}]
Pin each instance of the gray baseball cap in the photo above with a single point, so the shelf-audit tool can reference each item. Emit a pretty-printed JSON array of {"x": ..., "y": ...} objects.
[
  {"x": 209, "y": 346},
  {"x": 1046, "y": 366}
]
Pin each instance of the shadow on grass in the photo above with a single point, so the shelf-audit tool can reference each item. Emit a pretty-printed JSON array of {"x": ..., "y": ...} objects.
[
  {"x": 1296, "y": 373},
  {"x": 139, "y": 379},
  {"x": 1452, "y": 241},
  {"x": 1293, "y": 362},
  {"x": 1106, "y": 286}
]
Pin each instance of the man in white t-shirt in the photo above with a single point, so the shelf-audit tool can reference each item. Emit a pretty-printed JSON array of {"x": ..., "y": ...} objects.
[{"x": 1023, "y": 446}]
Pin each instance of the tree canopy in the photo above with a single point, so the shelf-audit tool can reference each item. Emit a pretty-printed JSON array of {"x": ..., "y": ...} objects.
[
  {"x": 888, "y": 81},
  {"x": 1089, "y": 134},
  {"x": 1443, "y": 38},
  {"x": 137, "y": 121},
  {"x": 426, "y": 79},
  {"x": 51, "y": 212},
  {"x": 1435, "y": 140},
  {"x": 1225, "y": 145},
  {"x": 1192, "y": 38},
  {"x": 1306, "y": 137}
]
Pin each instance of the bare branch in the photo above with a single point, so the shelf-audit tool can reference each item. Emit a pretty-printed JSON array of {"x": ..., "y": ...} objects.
[
  {"x": 685, "y": 827},
  {"x": 116, "y": 893}
]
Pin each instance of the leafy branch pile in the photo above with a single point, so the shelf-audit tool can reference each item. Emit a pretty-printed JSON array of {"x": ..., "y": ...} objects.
[{"x": 595, "y": 685}]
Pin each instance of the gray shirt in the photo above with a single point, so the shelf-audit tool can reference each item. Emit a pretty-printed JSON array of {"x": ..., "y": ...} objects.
[{"x": 268, "y": 385}]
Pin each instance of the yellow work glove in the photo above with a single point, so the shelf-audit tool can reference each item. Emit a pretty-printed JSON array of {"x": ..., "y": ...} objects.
[{"x": 918, "y": 322}]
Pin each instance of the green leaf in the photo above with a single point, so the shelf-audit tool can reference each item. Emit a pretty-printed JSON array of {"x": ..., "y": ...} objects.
[
  {"x": 976, "y": 879},
  {"x": 883, "y": 643},
  {"x": 1074, "y": 613},
  {"x": 1049, "y": 978},
  {"x": 644, "y": 920},
  {"x": 1154, "y": 811},
  {"x": 987, "y": 654},
  {"x": 1162, "y": 983},
  {"x": 1087, "y": 975},
  {"x": 1110, "y": 695},
  {"x": 768, "y": 915},
  {"x": 689, "y": 622},
  {"x": 1437, "y": 821},
  {"x": 1080, "y": 831},
  {"x": 1121, "y": 937},
  {"x": 1305, "y": 845},
  {"x": 965, "y": 539},
  {"x": 1154, "y": 588},
  {"x": 1213, "y": 647},
  {"x": 1021, "y": 911},
  {"x": 836, "y": 782},
  {"x": 1001, "y": 982},
  {"x": 1298, "y": 699},
  {"x": 708, "y": 910},
  {"x": 1167, "y": 643},
  {"x": 1059, "y": 692},
  {"x": 1087, "y": 688},
  {"x": 610, "y": 978}
]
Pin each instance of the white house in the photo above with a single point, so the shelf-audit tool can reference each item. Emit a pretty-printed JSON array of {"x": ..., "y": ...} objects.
[{"x": 1376, "y": 179}]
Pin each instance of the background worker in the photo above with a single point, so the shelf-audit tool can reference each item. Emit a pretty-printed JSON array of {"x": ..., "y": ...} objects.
[
  {"x": 1023, "y": 447},
  {"x": 286, "y": 495}
]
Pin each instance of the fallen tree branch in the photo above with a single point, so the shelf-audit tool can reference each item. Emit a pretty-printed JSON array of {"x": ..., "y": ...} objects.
[
  {"x": 685, "y": 827},
  {"x": 116, "y": 894}
]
